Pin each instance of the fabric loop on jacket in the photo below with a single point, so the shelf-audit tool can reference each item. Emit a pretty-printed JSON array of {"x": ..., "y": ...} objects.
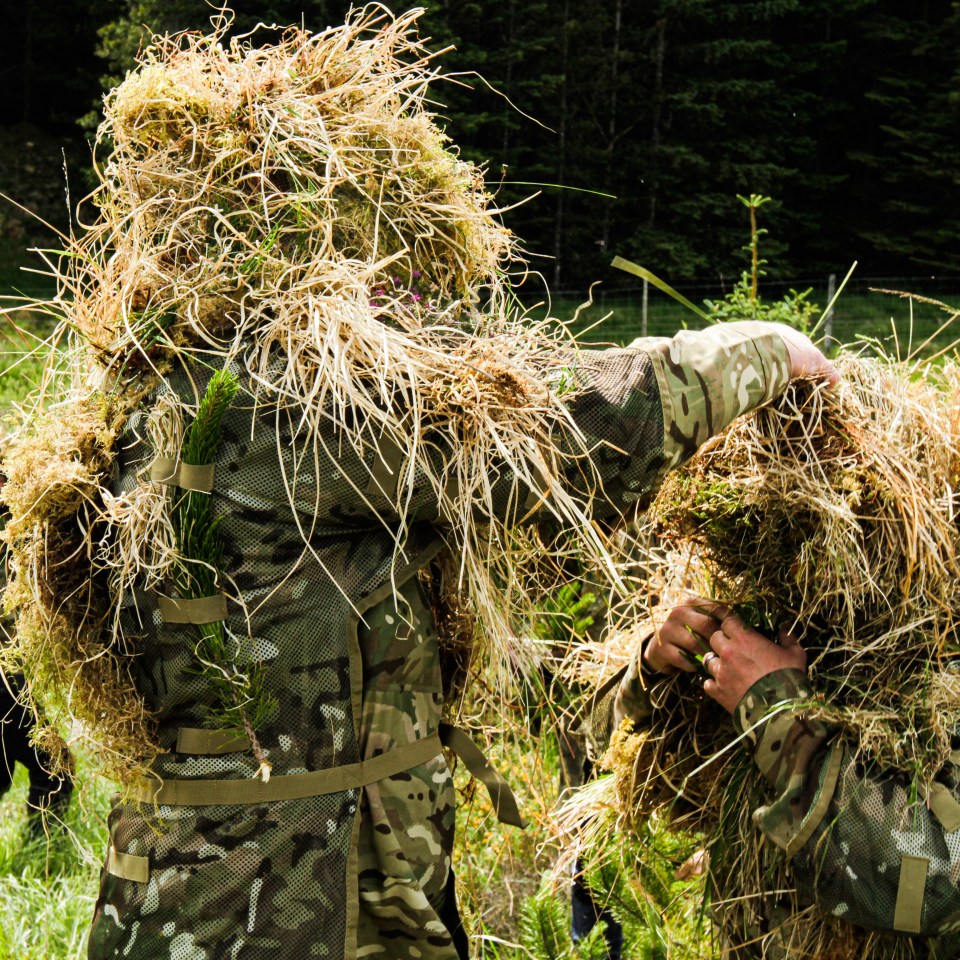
[
  {"x": 385, "y": 472},
  {"x": 910, "y": 892},
  {"x": 199, "y": 611},
  {"x": 127, "y": 866},
  {"x": 202, "y": 742},
  {"x": 187, "y": 476},
  {"x": 945, "y": 807}
]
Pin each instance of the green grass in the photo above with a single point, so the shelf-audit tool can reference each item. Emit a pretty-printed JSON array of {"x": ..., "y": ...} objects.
[
  {"x": 48, "y": 886},
  {"x": 22, "y": 332},
  {"x": 511, "y": 908},
  {"x": 23, "y": 353}
]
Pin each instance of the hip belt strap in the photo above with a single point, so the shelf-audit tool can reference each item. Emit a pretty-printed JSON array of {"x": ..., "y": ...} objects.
[
  {"x": 501, "y": 796},
  {"x": 294, "y": 786}
]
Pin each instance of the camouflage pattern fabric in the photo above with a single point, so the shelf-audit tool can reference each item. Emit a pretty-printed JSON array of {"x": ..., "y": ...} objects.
[
  {"x": 318, "y": 592},
  {"x": 407, "y": 822},
  {"x": 849, "y": 830},
  {"x": 852, "y": 830},
  {"x": 785, "y": 744},
  {"x": 269, "y": 880},
  {"x": 707, "y": 382}
]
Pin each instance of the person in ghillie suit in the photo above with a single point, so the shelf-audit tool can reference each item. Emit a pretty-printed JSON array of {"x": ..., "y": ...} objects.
[
  {"x": 863, "y": 846},
  {"x": 51, "y": 781},
  {"x": 308, "y": 392}
]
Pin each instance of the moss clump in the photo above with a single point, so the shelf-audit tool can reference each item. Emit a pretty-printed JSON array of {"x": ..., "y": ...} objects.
[{"x": 57, "y": 593}]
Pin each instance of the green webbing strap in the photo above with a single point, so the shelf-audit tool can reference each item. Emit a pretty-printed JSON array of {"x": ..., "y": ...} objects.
[
  {"x": 127, "y": 866},
  {"x": 199, "y": 611},
  {"x": 944, "y": 805},
  {"x": 294, "y": 786},
  {"x": 203, "y": 742},
  {"x": 385, "y": 471},
  {"x": 501, "y": 796},
  {"x": 186, "y": 476},
  {"x": 913, "y": 880}
]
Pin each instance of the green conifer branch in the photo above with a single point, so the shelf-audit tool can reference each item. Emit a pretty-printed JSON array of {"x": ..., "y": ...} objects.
[{"x": 242, "y": 702}]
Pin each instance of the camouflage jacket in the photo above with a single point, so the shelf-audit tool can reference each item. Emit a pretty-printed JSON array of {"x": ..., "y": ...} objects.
[
  {"x": 863, "y": 846},
  {"x": 346, "y": 851}
]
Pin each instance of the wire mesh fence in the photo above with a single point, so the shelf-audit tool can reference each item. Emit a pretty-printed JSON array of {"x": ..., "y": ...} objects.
[{"x": 899, "y": 312}]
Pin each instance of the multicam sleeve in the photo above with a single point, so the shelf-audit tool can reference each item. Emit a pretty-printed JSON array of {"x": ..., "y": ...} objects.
[
  {"x": 645, "y": 408},
  {"x": 867, "y": 845},
  {"x": 709, "y": 377}
]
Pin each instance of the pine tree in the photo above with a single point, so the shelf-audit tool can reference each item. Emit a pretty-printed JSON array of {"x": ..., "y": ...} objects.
[
  {"x": 906, "y": 205},
  {"x": 730, "y": 112},
  {"x": 138, "y": 20}
]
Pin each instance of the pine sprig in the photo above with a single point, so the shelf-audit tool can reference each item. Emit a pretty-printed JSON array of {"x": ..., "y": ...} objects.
[
  {"x": 197, "y": 530},
  {"x": 242, "y": 702},
  {"x": 203, "y": 438}
]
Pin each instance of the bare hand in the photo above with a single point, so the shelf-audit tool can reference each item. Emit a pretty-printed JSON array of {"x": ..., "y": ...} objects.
[
  {"x": 684, "y": 636},
  {"x": 741, "y": 656},
  {"x": 806, "y": 361}
]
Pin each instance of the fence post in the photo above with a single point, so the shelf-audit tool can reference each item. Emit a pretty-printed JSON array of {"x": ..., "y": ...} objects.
[
  {"x": 643, "y": 312},
  {"x": 828, "y": 319}
]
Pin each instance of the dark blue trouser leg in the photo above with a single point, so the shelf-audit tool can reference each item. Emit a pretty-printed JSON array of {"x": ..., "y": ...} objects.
[{"x": 586, "y": 914}]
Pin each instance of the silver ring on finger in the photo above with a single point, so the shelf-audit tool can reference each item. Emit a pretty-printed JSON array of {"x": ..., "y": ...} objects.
[{"x": 708, "y": 658}]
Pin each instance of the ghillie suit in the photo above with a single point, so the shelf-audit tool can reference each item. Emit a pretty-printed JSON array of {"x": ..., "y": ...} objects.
[
  {"x": 297, "y": 428},
  {"x": 833, "y": 513}
]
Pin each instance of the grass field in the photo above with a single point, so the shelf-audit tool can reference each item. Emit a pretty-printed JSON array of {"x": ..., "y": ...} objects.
[{"x": 48, "y": 886}]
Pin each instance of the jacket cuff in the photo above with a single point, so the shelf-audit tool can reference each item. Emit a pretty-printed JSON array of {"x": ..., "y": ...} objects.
[
  {"x": 707, "y": 378},
  {"x": 632, "y": 701},
  {"x": 784, "y": 739},
  {"x": 792, "y": 752}
]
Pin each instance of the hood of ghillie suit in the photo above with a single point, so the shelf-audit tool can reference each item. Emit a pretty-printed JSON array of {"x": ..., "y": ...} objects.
[
  {"x": 292, "y": 212},
  {"x": 261, "y": 190}
]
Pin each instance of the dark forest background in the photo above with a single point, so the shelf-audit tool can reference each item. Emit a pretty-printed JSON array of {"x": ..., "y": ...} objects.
[{"x": 846, "y": 112}]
